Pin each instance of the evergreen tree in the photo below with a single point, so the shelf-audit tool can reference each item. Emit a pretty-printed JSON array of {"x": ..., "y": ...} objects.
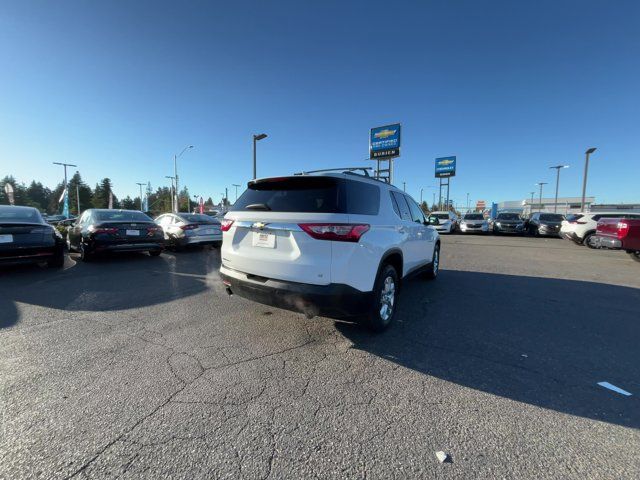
[
  {"x": 101, "y": 194},
  {"x": 19, "y": 192},
  {"x": 76, "y": 185}
]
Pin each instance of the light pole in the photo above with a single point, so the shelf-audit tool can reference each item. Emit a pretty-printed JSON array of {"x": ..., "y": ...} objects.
[
  {"x": 558, "y": 168},
  {"x": 256, "y": 138},
  {"x": 175, "y": 174},
  {"x": 236, "y": 185},
  {"x": 65, "y": 165},
  {"x": 586, "y": 171},
  {"x": 540, "y": 184},
  {"x": 404, "y": 186},
  {"x": 531, "y": 204},
  {"x": 467, "y": 202},
  {"x": 173, "y": 191},
  {"x": 140, "y": 184}
]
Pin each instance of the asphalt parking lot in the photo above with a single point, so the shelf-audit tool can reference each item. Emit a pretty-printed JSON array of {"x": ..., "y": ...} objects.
[{"x": 140, "y": 367}]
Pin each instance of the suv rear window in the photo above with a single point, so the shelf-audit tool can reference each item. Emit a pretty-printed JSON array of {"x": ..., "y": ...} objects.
[{"x": 307, "y": 194}]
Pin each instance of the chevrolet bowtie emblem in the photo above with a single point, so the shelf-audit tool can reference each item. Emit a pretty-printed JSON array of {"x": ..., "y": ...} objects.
[{"x": 259, "y": 225}]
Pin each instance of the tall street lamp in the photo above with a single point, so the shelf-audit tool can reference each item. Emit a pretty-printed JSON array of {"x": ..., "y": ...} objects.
[
  {"x": 236, "y": 185},
  {"x": 175, "y": 174},
  {"x": 541, "y": 184},
  {"x": 256, "y": 138},
  {"x": 586, "y": 171},
  {"x": 558, "y": 168},
  {"x": 404, "y": 186},
  {"x": 140, "y": 184},
  {"x": 65, "y": 165}
]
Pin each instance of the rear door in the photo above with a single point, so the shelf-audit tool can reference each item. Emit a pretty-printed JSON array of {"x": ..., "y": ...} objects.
[
  {"x": 426, "y": 236},
  {"x": 413, "y": 238},
  {"x": 262, "y": 234}
]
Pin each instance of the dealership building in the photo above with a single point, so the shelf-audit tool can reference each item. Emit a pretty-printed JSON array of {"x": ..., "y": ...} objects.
[{"x": 564, "y": 205}]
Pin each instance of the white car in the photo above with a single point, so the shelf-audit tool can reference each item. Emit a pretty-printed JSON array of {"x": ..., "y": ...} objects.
[
  {"x": 448, "y": 221},
  {"x": 581, "y": 227},
  {"x": 332, "y": 244},
  {"x": 474, "y": 223}
]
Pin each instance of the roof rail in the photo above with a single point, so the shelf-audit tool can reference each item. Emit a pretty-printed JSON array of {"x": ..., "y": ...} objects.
[{"x": 351, "y": 170}]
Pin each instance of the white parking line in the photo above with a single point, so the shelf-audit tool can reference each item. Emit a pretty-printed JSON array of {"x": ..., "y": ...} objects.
[{"x": 614, "y": 388}]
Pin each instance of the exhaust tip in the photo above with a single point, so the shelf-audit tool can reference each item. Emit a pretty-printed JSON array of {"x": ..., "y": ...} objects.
[{"x": 228, "y": 290}]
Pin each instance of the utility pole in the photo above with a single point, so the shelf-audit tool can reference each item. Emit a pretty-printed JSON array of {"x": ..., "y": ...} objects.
[
  {"x": 172, "y": 192},
  {"x": 421, "y": 190},
  {"x": 540, "y": 184},
  {"x": 404, "y": 187},
  {"x": 467, "y": 202},
  {"x": 175, "y": 174},
  {"x": 236, "y": 185},
  {"x": 584, "y": 180},
  {"x": 558, "y": 168},
  {"x": 140, "y": 185}
]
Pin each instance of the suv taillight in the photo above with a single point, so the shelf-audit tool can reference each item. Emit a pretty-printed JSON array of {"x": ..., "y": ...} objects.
[
  {"x": 225, "y": 225},
  {"x": 623, "y": 229},
  {"x": 340, "y": 232}
]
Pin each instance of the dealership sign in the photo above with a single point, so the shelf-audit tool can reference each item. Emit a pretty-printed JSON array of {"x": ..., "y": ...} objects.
[
  {"x": 445, "y": 167},
  {"x": 384, "y": 142}
]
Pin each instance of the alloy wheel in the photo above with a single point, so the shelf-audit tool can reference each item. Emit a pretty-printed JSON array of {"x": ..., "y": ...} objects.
[{"x": 387, "y": 298}]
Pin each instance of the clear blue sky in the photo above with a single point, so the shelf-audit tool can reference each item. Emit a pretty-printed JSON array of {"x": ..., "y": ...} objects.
[{"x": 509, "y": 87}]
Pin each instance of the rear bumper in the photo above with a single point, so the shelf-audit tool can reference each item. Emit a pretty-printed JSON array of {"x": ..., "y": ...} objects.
[
  {"x": 607, "y": 242},
  {"x": 334, "y": 300},
  {"x": 201, "y": 240},
  {"x": 31, "y": 255},
  {"x": 126, "y": 247},
  {"x": 571, "y": 236}
]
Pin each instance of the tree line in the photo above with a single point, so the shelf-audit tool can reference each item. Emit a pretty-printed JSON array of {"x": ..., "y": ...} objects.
[{"x": 47, "y": 200}]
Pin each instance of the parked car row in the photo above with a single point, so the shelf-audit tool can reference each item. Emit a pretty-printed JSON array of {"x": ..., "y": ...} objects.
[{"x": 26, "y": 237}]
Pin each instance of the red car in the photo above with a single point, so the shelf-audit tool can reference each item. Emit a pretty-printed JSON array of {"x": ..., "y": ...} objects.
[{"x": 620, "y": 234}]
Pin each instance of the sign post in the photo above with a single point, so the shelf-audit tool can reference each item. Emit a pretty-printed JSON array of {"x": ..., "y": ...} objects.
[
  {"x": 384, "y": 145},
  {"x": 445, "y": 168}
]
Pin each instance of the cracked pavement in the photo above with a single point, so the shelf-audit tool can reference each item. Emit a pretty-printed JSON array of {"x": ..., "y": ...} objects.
[{"x": 139, "y": 367}]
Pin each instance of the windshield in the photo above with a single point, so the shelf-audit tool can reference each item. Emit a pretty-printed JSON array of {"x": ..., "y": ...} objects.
[
  {"x": 551, "y": 217},
  {"x": 508, "y": 216},
  {"x": 25, "y": 215},
  {"x": 441, "y": 216},
  {"x": 121, "y": 216},
  {"x": 474, "y": 216}
]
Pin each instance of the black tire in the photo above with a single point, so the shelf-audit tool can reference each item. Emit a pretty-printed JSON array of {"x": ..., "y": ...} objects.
[
  {"x": 385, "y": 293},
  {"x": 155, "y": 253},
  {"x": 586, "y": 241},
  {"x": 58, "y": 259},
  {"x": 434, "y": 268},
  {"x": 635, "y": 255},
  {"x": 85, "y": 256}
]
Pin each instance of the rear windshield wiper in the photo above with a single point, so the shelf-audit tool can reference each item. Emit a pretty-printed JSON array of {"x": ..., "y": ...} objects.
[{"x": 257, "y": 206}]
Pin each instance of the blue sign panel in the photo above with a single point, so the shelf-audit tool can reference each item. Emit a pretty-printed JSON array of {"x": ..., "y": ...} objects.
[
  {"x": 445, "y": 167},
  {"x": 384, "y": 142}
]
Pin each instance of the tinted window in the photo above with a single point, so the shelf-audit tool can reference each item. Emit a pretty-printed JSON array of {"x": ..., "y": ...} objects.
[
  {"x": 441, "y": 216},
  {"x": 416, "y": 213},
  {"x": 574, "y": 217},
  {"x": 474, "y": 216},
  {"x": 405, "y": 213},
  {"x": 310, "y": 195},
  {"x": 508, "y": 216},
  {"x": 394, "y": 204},
  {"x": 29, "y": 215},
  {"x": 551, "y": 217},
  {"x": 362, "y": 198},
  {"x": 120, "y": 216}
]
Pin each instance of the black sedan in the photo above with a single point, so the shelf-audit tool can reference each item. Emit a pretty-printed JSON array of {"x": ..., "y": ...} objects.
[
  {"x": 106, "y": 231},
  {"x": 26, "y": 238},
  {"x": 545, "y": 224},
  {"x": 506, "y": 222}
]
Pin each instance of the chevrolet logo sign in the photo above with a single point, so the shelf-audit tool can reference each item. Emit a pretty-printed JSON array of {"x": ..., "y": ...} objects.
[
  {"x": 384, "y": 133},
  {"x": 445, "y": 162},
  {"x": 259, "y": 225}
]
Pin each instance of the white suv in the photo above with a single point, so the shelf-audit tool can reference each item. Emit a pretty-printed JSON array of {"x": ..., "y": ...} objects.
[
  {"x": 581, "y": 227},
  {"x": 332, "y": 244}
]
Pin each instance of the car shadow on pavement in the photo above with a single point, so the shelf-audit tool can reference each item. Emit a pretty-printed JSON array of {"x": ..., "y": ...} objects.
[
  {"x": 115, "y": 282},
  {"x": 542, "y": 341}
]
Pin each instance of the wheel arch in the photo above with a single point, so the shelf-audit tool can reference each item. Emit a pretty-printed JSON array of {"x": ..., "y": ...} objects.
[{"x": 394, "y": 257}]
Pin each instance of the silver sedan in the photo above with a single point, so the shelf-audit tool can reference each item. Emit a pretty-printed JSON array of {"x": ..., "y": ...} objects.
[{"x": 182, "y": 229}]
